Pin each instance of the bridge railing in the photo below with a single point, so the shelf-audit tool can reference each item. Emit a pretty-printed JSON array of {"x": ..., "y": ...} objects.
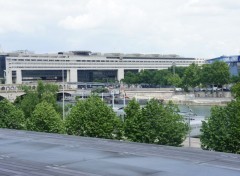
[{"x": 19, "y": 87}]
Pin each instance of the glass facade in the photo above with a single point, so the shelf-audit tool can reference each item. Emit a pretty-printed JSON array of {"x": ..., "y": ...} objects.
[
  {"x": 51, "y": 75},
  {"x": 2, "y": 65},
  {"x": 97, "y": 75}
]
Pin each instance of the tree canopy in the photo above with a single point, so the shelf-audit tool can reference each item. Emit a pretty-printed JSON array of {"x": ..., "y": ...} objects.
[
  {"x": 44, "y": 118},
  {"x": 221, "y": 132},
  {"x": 93, "y": 118},
  {"x": 10, "y": 116},
  {"x": 44, "y": 92},
  {"x": 191, "y": 77},
  {"x": 155, "y": 123},
  {"x": 216, "y": 73},
  {"x": 236, "y": 90}
]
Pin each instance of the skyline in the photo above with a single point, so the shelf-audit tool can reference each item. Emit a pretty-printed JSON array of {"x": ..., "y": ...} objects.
[{"x": 189, "y": 28}]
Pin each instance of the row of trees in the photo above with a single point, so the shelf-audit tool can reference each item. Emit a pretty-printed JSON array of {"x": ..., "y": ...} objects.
[
  {"x": 36, "y": 111},
  {"x": 155, "y": 123},
  {"x": 221, "y": 131},
  {"x": 216, "y": 73}
]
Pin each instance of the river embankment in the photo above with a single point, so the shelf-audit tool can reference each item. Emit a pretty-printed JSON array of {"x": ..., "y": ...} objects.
[
  {"x": 197, "y": 98},
  {"x": 190, "y": 99}
]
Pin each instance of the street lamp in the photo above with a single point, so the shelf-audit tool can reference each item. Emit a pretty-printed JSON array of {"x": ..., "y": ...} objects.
[
  {"x": 63, "y": 102},
  {"x": 173, "y": 66},
  {"x": 189, "y": 125},
  {"x": 112, "y": 98}
]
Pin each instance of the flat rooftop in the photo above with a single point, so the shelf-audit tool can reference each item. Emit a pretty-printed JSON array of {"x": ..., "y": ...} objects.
[{"x": 24, "y": 153}]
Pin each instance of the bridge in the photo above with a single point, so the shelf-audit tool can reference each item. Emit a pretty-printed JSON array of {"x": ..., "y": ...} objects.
[{"x": 12, "y": 91}]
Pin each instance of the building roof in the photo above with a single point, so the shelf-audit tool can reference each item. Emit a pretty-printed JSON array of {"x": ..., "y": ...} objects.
[
  {"x": 228, "y": 59},
  {"x": 34, "y": 154}
]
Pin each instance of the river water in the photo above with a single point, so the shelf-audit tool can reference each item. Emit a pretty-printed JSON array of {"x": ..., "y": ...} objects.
[{"x": 199, "y": 110}]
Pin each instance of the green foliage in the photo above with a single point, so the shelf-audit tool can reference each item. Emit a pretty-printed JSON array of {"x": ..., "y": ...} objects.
[
  {"x": 236, "y": 90},
  {"x": 178, "y": 70},
  {"x": 235, "y": 79},
  {"x": 191, "y": 76},
  {"x": 132, "y": 122},
  {"x": 131, "y": 78},
  {"x": 145, "y": 76},
  {"x": 155, "y": 123},
  {"x": 45, "y": 119},
  {"x": 221, "y": 132},
  {"x": 93, "y": 118},
  {"x": 100, "y": 90},
  {"x": 10, "y": 116},
  {"x": 28, "y": 103},
  {"x": 44, "y": 92},
  {"x": 206, "y": 75},
  {"x": 216, "y": 73},
  {"x": 175, "y": 80},
  {"x": 161, "y": 77},
  {"x": 221, "y": 74}
]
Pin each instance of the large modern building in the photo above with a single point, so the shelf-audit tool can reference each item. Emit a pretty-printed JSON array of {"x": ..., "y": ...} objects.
[
  {"x": 82, "y": 66},
  {"x": 232, "y": 61}
]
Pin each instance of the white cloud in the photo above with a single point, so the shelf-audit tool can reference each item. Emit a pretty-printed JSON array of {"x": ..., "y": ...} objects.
[{"x": 200, "y": 28}]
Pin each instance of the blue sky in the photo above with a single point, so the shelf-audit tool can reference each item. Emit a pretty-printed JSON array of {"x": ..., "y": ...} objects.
[{"x": 190, "y": 28}]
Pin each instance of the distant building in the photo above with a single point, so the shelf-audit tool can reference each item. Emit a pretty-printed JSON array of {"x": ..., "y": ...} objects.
[
  {"x": 82, "y": 66},
  {"x": 232, "y": 61}
]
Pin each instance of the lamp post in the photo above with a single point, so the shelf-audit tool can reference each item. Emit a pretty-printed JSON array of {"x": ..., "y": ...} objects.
[
  {"x": 112, "y": 99},
  {"x": 124, "y": 100},
  {"x": 189, "y": 125},
  {"x": 173, "y": 65},
  {"x": 63, "y": 101}
]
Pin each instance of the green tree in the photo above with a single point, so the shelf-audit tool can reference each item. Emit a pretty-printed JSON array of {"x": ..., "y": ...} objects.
[
  {"x": 221, "y": 132},
  {"x": 44, "y": 92},
  {"x": 191, "y": 76},
  {"x": 28, "y": 103},
  {"x": 161, "y": 77},
  {"x": 155, "y": 123},
  {"x": 10, "y": 116},
  {"x": 216, "y": 73},
  {"x": 178, "y": 70},
  {"x": 221, "y": 74},
  {"x": 206, "y": 75},
  {"x": 236, "y": 90},
  {"x": 145, "y": 76},
  {"x": 175, "y": 80},
  {"x": 132, "y": 121},
  {"x": 131, "y": 78},
  {"x": 45, "y": 119},
  {"x": 235, "y": 79},
  {"x": 93, "y": 118}
]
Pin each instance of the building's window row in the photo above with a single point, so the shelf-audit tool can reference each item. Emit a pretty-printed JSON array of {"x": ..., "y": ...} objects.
[
  {"x": 91, "y": 61},
  {"x": 16, "y": 64}
]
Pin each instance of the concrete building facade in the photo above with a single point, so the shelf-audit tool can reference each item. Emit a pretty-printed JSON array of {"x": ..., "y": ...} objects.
[{"x": 83, "y": 66}]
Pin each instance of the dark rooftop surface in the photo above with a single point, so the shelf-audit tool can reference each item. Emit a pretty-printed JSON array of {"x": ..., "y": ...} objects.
[{"x": 24, "y": 153}]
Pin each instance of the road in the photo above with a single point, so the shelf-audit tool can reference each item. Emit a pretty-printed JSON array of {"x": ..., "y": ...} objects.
[{"x": 25, "y": 153}]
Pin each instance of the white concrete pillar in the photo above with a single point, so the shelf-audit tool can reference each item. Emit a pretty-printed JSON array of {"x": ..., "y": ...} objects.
[
  {"x": 73, "y": 77},
  {"x": 120, "y": 74},
  {"x": 68, "y": 75},
  {"x": 8, "y": 76},
  {"x": 19, "y": 76}
]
